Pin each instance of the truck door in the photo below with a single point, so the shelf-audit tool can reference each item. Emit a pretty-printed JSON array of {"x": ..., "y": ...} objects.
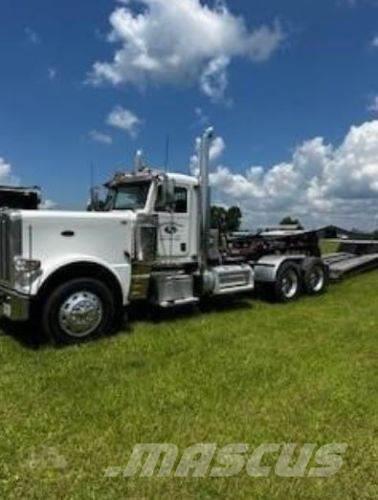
[{"x": 174, "y": 226}]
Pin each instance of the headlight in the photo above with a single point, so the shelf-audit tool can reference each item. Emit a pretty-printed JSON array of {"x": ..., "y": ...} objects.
[
  {"x": 26, "y": 271},
  {"x": 26, "y": 265}
]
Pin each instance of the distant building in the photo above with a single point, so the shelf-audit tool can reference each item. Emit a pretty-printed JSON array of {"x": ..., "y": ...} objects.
[{"x": 335, "y": 232}]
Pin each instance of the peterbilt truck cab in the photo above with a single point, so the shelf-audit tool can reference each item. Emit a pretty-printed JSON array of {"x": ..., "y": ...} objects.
[
  {"x": 72, "y": 274},
  {"x": 172, "y": 198}
]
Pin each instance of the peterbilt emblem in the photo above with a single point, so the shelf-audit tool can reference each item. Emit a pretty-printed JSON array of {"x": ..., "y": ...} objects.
[{"x": 170, "y": 229}]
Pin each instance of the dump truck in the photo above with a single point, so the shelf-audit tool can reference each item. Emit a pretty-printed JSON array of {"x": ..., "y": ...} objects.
[
  {"x": 25, "y": 198},
  {"x": 74, "y": 273}
]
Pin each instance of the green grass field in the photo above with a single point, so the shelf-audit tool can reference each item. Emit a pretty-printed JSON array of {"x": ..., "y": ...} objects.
[
  {"x": 251, "y": 373},
  {"x": 328, "y": 246}
]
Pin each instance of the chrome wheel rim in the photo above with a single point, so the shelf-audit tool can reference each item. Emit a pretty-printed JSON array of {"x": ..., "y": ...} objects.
[
  {"x": 289, "y": 284},
  {"x": 81, "y": 314},
  {"x": 317, "y": 279}
]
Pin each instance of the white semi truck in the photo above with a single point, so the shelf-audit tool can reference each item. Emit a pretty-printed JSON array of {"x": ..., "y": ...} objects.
[{"x": 76, "y": 272}]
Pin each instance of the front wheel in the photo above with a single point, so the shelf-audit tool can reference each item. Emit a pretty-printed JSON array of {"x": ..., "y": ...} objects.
[{"x": 79, "y": 310}]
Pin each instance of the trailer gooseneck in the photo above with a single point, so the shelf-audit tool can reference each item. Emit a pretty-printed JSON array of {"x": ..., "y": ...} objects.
[{"x": 75, "y": 272}]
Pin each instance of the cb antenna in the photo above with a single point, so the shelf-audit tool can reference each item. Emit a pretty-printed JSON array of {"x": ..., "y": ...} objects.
[
  {"x": 92, "y": 188},
  {"x": 92, "y": 175},
  {"x": 166, "y": 159}
]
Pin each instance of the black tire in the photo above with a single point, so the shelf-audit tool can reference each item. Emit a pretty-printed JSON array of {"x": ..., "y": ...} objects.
[
  {"x": 287, "y": 286},
  {"x": 315, "y": 276},
  {"x": 59, "y": 312}
]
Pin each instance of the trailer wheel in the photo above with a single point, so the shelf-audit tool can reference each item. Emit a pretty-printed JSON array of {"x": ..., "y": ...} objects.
[
  {"x": 287, "y": 286},
  {"x": 315, "y": 276},
  {"x": 78, "y": 311}
]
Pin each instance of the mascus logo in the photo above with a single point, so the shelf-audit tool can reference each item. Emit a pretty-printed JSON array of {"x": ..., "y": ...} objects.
[{"x": 208, "y": 460}]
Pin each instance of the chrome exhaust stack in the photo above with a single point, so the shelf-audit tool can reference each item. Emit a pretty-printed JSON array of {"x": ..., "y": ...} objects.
[
  {"x": 204, "y": 165},
  {"x": 216, "y": 280},
  {"x": 138, "y": 162}
]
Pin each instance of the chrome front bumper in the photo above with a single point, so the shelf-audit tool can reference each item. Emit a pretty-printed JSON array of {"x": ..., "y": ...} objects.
[{"x": 14, "y": 305}]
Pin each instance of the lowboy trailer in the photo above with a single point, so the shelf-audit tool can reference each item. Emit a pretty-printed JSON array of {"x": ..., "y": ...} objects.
[
  {"x": 353, "y": 256},
  {"x": 74, "y": 273}
]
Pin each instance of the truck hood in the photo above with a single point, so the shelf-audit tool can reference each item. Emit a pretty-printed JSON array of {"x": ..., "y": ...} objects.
[
  {"x": 76, "y": 215},
  {"x": 91, "y": 236}
]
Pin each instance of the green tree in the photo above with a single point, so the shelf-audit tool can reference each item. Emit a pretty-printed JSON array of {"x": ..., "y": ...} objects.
[
  {"x": 234, "y": 218},
  {"x": 226, "y": 220},
  {"x": 289, "y": 221},
  {"x": 218, "y": 218}
]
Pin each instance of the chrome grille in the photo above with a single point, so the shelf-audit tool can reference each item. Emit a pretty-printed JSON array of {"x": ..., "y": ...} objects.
[{"x": 10, "y": 244}]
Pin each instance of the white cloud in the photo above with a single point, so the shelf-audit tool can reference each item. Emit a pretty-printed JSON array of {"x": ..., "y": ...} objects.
[
  {"x": 181, "y": 42},
  {"x": 32, "y": 36},
  {"x": 52, "y": 73},
  {"x": 6, "y": 176},
  {"x": 202, "y": 118},
  {"x": 374, "y": 42},
  {"x": 124, "y": 119},
  {"x": 214, "y": 79},
  {"x": 319, "y": 183},
  {"x": 216, "y": 151},
  {"x": 48, "y": 205},
  {"x": 373, "y": 106},
  {"x": 355, "y": 3},
  {"x": 264, "y": 42},
  {"x": 100, "y": 137},
  {"x": 217, "y": 148}
]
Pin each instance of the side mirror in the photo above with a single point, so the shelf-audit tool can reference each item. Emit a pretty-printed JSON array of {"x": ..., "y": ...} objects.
[{"x": 96, "y": 205}]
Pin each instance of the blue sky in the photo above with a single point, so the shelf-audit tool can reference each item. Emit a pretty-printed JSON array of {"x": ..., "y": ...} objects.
[{"x": 311, "y": 72}]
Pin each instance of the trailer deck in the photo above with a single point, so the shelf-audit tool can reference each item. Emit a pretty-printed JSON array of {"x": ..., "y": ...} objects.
[
  {"x": 354, "y": 256},
  {"x": 342, "y": 264}
]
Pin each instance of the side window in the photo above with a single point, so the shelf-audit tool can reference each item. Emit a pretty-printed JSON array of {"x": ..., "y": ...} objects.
[{"x": 181, "y": 201}]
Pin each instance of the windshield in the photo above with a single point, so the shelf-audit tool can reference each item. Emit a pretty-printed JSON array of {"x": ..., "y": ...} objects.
[{"x": 128, "y": 197}]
